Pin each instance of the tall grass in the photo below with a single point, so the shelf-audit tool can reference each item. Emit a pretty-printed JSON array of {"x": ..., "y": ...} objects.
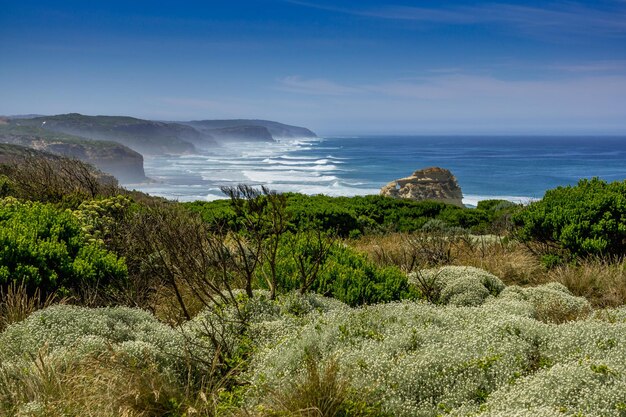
[
  {"x": 508, "y": 260},
  {"x": 16, "y": 304},
  {"x": 321, "y": 392},
  {"x": 601, "y": 281},
  {"x": 100, "y": 386},
  {"x": 106, "y": 384}
]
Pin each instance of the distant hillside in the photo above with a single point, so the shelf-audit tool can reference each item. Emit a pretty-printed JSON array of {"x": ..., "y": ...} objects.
[
  {"x": 241, "y": 133},
  {"x": 145, "y": 136},
  {"x": 111, "y": 157},
  {"x": 276, "y": 130},
  {"x": 152, "y": 137}
]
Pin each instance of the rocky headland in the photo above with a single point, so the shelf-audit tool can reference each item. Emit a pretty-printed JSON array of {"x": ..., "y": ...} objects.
[
  {"x": 107, "y": 156},
  {"x": 242, "y": 133},
  {"x": 437, "y": 184}
]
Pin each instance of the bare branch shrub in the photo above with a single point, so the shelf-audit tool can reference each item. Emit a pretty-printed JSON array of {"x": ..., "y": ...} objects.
[
  {"x": 262, "y": 221},
  {"x": 179, "y": 250},
  {"x": 47, "y": 179},
  {"x": 428, "y": 285}
]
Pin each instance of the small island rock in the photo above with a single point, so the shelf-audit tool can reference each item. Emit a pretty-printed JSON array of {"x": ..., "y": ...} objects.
[{"x": 433, "y": 183}]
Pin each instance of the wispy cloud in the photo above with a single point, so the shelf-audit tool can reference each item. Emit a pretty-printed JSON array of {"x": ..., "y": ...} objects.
[
  {"x": 592, "y": 67},
  {"x": 467, "y": 101},
  {"x": 564, "y": 18},
  {"x": 316, "y": 86}
]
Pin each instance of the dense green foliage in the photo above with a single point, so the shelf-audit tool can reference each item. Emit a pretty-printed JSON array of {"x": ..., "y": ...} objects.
[
  {"x": 586, "y": 219},
  {"x": 344, "y": 274},
  {"x": 45, "y": 248},
  {"x": 352, "y": 216}
]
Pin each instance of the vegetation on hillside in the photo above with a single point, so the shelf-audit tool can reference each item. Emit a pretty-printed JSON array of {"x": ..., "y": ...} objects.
[
  {"x": 14, "y": 132},
  {"x": 355, "y": 216},
  {"x": 141, "y": 135},
  {"x": 116, "y": 303}
]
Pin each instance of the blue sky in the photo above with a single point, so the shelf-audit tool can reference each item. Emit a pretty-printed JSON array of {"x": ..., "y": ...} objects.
[{"x": 338, "y": 67}]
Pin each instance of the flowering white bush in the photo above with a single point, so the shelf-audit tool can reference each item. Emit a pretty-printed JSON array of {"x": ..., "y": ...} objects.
[
  {"x": 267, "y": 321},
  {"x": 460, "y": 285},
  {"x": 64, "y": 330},
  {"x": 412, "y": 358},
  {"x": 493, "y": 360},
  {"x": 551, "y": 302}
]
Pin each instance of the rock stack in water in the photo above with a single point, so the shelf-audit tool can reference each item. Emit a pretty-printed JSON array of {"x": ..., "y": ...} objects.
[{"x": 434, "y": 183}]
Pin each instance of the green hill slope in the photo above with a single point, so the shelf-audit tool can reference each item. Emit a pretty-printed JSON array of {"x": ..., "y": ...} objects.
[{"x": 145, "y": 136}]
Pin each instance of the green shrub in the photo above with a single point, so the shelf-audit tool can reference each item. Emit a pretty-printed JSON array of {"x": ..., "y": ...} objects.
[
  {"x": 100, "y": 218},
  {"x": 582, "y": 220},
  {"x": 353, "y": 216},
  {"x": 45, "y": 248},
  {"x": 218, "y": 212},
  {"x": 5, "y": 186},
  {"x": 345, "y": 274}
]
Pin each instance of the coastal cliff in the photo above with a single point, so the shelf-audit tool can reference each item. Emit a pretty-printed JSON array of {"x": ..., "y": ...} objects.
[
  {"x": 263, "y": 130},
  {"x": 110, "y": 157},
  {"x": 17, "y": 155},
  {"x": 433, "y": 183}
]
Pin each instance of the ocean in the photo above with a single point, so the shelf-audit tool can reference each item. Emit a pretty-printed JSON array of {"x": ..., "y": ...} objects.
[{"x": 518, "y": 169}]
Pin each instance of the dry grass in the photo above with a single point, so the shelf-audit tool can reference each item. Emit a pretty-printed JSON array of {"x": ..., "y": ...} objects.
[
  {"x": 166, "y": 306},
  {"x": 16, "y": 304},
  {"x": 322, "y": 392},
  {"x": 103, "y": 386},
  {"x": 601, "y": 281},
  {"x": 508, "y": 260}
]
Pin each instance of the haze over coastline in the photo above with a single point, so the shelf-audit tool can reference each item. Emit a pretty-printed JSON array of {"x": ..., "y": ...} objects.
[{"x": 339, "y": 68}]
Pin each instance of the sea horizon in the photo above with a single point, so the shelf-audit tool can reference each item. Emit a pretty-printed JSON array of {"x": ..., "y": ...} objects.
[{"x": 518, "y": 168}]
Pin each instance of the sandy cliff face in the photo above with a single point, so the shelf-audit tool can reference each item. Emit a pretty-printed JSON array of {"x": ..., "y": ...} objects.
[
  {"x": 434, "y": 183},
  {"x": 111, "y": 157}
]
